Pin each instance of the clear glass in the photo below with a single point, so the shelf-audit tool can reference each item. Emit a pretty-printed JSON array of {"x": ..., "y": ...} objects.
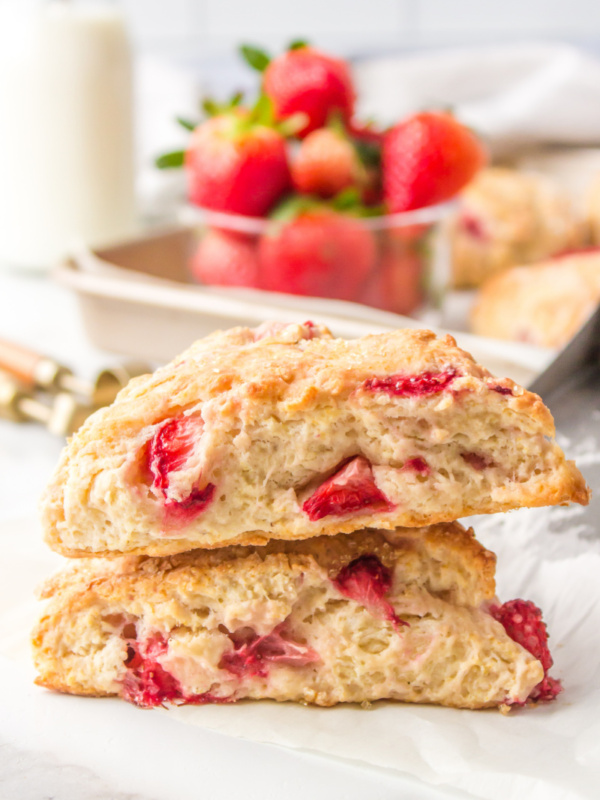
[{"x": 395, "y": 262}]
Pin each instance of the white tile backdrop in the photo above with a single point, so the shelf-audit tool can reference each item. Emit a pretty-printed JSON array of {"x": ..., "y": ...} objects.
[{"x": 195, "y": 29}]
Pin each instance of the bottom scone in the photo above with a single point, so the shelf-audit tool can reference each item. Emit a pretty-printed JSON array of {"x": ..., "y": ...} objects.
[{"x": 405, "y": 615}]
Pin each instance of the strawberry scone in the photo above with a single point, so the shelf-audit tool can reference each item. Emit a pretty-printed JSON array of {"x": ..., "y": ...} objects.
[
  {"x": 284, "y": 432},
  {"x": 543, "y": 304},
  {"x": 406, "y": 615},
  {"x": 507, "y": 217}
]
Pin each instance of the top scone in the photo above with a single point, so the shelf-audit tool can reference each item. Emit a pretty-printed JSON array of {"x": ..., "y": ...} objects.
[{"x": 287, "y": 433}]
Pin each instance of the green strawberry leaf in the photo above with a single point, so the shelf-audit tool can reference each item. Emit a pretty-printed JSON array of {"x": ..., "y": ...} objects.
[
  {"x": 186, "y": 123},
  {"x": 255, "y": 58},
  {"x": 368, "y": 152},
  {"x": 297, "y": 44},
  {"x": 171, "y": 160},
  {"x": 346, "y": 200}
]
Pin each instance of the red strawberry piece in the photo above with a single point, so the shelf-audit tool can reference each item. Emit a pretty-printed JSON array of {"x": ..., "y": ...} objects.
[
  {"x": 254, "y": 654},
  {"x": 319, "y": 253},
  {"x": 366, "y": 581},
  {"x": 306, "y": 81},
  {"x": 327, "y": 163},
  {"x": 422, "y": 384},
  {"x": 226, "y": 258},
  {"x": 417, "y": 464},
  {"x": 428, "y": 158},
  {"x": 168, "y": 452},
  {"x": 237, "y": 165},
  {"x": 522, "y": 621},
  {"x": 473, "y": 225},
  {"x": 351, "y": 489},
  {"x": 501, "y": 389},
  {"x": 477, "y": 460},
  {"x": 147, "y": 684}
]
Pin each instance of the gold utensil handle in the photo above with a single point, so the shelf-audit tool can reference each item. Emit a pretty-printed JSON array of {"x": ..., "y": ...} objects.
[{"x": 31, "y": 369}]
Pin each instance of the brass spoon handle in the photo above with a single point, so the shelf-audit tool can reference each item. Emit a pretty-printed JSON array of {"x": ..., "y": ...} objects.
[{"x": 30, "y": 368}]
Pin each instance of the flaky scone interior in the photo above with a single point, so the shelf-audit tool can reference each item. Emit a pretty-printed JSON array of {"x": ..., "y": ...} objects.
[
  {"x": 287, "y": 433},
  {"x": 407, "y": 615}
]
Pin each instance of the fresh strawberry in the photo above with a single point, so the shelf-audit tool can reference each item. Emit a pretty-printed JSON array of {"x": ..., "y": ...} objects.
[
  {"x": 317, "y": 251},
  {"x": 306, "y": 81},
  {"x": 367, "y": 581},
  {"x": 327, "y": 163},
  {"x": 396, "y": 283},
  {"x": 352, "y": 488},
  {"x": 226, "y": 258},
  {"x": 237, "y": 164},
  {"x": 428, "y": 158}
]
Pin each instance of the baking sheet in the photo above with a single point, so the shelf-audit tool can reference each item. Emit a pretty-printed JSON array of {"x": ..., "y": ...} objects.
[{"x": 551, "y": 556}]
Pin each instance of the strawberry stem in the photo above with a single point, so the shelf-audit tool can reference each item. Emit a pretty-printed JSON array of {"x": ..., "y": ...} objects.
[{"x": 297, "y": 44}]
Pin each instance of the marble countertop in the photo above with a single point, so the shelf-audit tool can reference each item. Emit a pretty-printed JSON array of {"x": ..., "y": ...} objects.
[{"x": 67, "y": 748}]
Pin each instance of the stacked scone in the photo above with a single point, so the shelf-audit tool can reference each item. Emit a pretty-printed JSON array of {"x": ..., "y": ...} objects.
[{"x": 273, "y": 516}]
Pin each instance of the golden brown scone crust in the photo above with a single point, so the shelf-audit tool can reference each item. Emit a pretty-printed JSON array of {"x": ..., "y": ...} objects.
[
  {"x": 279, "y": 416},
  {"x": 452, "y": 652},
  {"x": 509, "y": 217},
  {"x": 543, "y": 304}
]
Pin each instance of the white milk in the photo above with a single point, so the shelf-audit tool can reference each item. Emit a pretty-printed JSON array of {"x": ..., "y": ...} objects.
[{"x": 66, "y": 139}]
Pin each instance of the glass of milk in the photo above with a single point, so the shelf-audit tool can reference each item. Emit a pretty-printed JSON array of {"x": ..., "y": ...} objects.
[{"x": 66, "y": 132}]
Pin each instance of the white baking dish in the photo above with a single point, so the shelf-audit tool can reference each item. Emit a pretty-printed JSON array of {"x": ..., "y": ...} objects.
[{"x": 136, "y": 299}]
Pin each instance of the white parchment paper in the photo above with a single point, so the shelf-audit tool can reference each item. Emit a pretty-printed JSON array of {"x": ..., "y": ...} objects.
[{"x": 548, "y": 753}]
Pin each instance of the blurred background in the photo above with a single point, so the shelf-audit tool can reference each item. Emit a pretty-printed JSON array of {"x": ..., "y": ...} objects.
[
  {"x": 189, "y": 31},
  {"x": 109, "y": 255}
]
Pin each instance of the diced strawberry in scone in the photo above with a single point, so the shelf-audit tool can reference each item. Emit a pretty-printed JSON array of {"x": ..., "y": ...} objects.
[
  {"x": 477, "y": 460},
  {"x": 170, "y": 448},
  {"x": 169, "y": 451},
  {"x": 417, "y": 464},
  {"x": 254, "y": 654},
  {"x": 366, "y": 581},
  {"x": 473, "y": 225},
  {"x": 420, "y": 385},
  {"x": 501, "y": 389},
  {"x": 194, "y": 503},
  {"x": 352, "y": 488},
  {"x": 522, "y": 621},
  {"x": 147, "y": 684}
]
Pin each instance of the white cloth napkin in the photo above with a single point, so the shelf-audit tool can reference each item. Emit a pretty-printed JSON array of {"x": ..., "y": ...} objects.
[{"x": 514, "y": 95}]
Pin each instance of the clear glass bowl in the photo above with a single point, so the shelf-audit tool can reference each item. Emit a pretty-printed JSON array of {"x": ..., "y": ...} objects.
[{"x": 395, "y": 262}]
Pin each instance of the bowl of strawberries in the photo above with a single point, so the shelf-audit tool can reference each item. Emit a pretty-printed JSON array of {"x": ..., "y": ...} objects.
[{"x": 294, "y": 194}]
